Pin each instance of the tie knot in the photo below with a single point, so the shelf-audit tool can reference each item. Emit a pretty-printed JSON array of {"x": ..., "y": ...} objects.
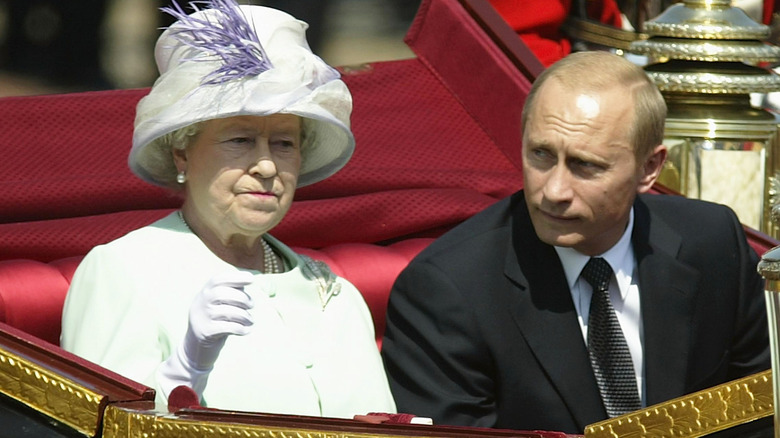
[{"x": 597, "y": 273}]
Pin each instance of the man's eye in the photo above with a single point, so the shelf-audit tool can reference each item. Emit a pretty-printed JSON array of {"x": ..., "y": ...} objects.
[
  {"x": 584, "y": 164},
  {"x": 587, "y": 167}
]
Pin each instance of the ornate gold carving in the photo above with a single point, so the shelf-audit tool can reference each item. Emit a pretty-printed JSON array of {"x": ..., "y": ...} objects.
[
  {"x": 774, "y": 198},
  {"x": 697, "y": 414},
  {"x": 49, "y": 393},
  {"x": 708, "y": 51},
  {"x": 123, "y": 422},
  {"x": 714, "y": 83},
  {"x": 174, "y": 428},
  {"x": 707, "y": 30}
]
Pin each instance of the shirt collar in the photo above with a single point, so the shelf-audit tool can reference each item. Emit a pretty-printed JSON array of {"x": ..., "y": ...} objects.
[{"x": 620, "y": 257}]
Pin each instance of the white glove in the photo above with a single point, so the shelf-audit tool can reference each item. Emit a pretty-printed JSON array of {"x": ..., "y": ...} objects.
[{"x": 219, "y": 310}]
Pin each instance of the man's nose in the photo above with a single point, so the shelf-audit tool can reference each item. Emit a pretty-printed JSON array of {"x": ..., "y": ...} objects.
[{"x": 558, "y": 187}]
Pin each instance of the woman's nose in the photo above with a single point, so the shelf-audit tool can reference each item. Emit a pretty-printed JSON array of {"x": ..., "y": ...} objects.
[{"x": 264, "y": 166}]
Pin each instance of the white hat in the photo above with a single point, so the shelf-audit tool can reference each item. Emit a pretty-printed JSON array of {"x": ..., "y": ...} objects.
[{"x": 232, "y": 60}]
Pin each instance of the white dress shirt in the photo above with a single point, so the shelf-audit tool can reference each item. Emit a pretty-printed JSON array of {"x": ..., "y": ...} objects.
[{"x": 623, "y": 292}]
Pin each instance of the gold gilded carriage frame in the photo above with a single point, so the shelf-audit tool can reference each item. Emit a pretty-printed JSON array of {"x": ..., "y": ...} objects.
[
  {"x": 93, "y": 405},
  {"x": 85, "y": 400}
]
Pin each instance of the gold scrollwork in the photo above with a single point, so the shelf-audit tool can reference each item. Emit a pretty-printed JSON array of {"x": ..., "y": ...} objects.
[
  {"x": 707, "y": 31},
  {"x": 697, "y": 414},
  {"x": 698, "y": 50},
  {"x": 48, "y": 393},
  {"x": 122, "y": 422},
  {"x": 774, "y": 197},
  {"x": 173, "y": 428},
  {"x": 714, "y": 83}
]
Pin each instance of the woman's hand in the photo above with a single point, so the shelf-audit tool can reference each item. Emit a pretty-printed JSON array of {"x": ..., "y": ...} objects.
[{"x": 219, "y": 310}]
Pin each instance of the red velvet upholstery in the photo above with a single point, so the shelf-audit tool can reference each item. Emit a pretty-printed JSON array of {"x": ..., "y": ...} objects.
[
  {"x": 432, "y": 150},
  {"x": 436, "y": 143},
  {"x": 32, "y": 292},
  {"x": 372, "y": 269}
]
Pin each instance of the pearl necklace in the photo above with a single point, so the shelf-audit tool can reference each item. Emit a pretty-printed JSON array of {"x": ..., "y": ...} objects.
[{"x": 270, "y": 261}]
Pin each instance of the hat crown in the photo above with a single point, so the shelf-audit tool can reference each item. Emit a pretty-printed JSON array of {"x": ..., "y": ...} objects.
[{"x": 267, "y": 28}]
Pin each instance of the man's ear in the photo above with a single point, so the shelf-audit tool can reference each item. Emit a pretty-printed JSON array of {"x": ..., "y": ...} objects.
[{"x": 651, "y": 168}]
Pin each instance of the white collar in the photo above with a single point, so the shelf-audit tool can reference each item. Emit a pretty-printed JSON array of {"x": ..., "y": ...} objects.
[{"x": 620, "y": 257}]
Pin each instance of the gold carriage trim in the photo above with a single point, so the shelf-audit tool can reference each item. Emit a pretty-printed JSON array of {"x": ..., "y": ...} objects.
[
  {"x": 126, "y": 421},
  {"x": 698, "y": 414},
  {"x": 49, "y": 393}
]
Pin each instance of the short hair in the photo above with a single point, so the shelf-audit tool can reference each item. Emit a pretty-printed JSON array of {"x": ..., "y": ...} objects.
[
  {"x": 600, "y": 70},
  {"x": 158, "y": 161}
]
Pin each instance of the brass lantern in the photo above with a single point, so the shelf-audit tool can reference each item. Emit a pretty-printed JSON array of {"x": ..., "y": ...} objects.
[{"x": 706, "y": 56}]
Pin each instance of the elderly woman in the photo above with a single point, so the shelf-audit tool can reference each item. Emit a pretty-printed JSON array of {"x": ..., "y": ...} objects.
[{"x": 242, "y": 114}]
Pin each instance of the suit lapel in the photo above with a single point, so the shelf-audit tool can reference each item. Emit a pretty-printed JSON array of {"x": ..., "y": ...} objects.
[
  {"x": 668, "y": 291},
  {"x": 545, "y": 315}
]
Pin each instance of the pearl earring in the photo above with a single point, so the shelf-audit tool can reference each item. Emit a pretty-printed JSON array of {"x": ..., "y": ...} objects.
[{"x": 181, "y": 178}]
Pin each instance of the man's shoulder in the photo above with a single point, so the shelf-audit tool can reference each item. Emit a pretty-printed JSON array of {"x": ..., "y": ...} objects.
[
  {"x": 680, "y": 206},
  {"x": 472, "y": 235},
  {"x": 689, "y": 216}
]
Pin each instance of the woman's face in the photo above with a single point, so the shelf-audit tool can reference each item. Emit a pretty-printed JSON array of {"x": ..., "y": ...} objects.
[{"x": 241, "y": 173}]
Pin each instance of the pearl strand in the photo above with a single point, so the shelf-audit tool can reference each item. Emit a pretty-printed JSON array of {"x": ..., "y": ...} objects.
[{"x": 270, "y": 262}]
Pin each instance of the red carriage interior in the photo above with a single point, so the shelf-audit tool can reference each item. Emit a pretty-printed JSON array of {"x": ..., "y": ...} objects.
[
  {"x": 437, "y": 136},
  {"x": 438, "y": 140}
]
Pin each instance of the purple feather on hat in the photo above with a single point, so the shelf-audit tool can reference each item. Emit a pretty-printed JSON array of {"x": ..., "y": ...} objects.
[{"x": 227, "y": 35}]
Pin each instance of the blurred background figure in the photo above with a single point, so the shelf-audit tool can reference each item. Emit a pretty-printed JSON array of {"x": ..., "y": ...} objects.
[
  {"x": 53, "y": 42},
  {"x": 53, "y": 46},
  {"x": 541, "y": 24}
]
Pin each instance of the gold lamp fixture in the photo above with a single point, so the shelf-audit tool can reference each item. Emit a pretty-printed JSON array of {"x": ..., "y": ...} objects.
[{"x": 707, "y": 57}]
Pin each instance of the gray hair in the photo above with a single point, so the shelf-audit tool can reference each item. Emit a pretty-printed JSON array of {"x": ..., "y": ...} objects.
[{"x": 158, "y": 160}]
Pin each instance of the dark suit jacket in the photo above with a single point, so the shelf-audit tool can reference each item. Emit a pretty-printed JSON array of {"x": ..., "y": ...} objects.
[{"x": 482, "y": 330}]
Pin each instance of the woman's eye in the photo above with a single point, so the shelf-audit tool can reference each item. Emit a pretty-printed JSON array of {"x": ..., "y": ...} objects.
[{"x": 284, "y": 143}]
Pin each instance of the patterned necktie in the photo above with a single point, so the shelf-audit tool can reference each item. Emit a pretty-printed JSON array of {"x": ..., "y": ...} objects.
[{"x": 607, "y": 346}]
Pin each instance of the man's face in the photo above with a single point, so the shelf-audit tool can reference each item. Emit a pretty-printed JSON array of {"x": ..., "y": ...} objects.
[{"x": 579, "y": 167}]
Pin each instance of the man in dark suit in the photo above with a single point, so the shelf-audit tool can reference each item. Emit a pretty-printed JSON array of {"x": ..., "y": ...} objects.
[{"x": 489, "y": 326}]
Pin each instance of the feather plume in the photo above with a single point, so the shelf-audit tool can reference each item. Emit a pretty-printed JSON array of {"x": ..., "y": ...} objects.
[{"x": 227, "y": 35}]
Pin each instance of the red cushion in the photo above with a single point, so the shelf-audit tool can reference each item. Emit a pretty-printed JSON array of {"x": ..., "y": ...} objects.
[
  {"x": 372, "y": 269},
  {"x": 431, "y": 151},
  {"x": 32, "y": 293}
]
